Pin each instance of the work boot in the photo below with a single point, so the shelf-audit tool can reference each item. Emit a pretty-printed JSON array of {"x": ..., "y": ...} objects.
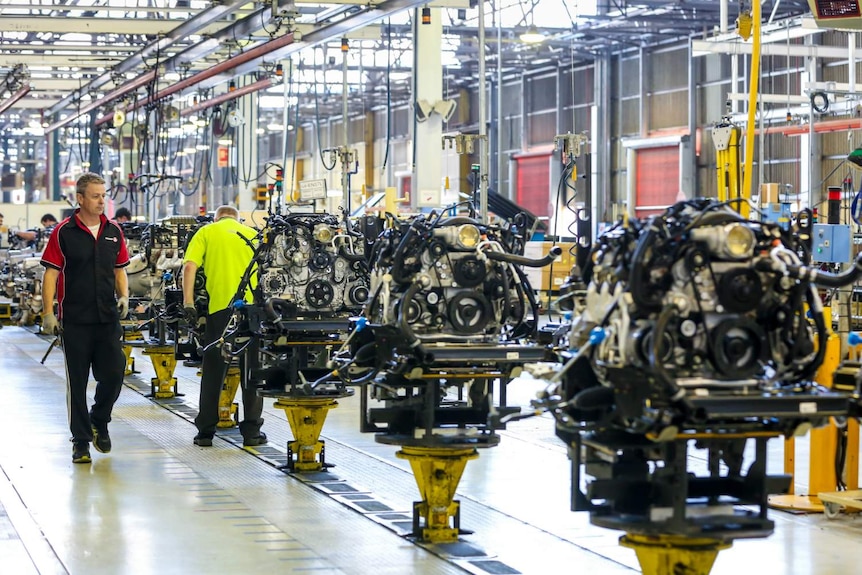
[
  {"x": 254, "y": 441},
  {"x": 203, "y": 440},
  {"x": 81, "y": 452},
  {"x": 101, "y": 439}
]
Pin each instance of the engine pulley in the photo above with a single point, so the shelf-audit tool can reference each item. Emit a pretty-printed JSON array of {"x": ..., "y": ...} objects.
[
  {"x": 469, "y": 312},
  {"x": 319, "y": 294}
]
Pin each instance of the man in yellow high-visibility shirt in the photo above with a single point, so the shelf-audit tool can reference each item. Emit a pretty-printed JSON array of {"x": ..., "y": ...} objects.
[{"x": 219, "y": 248}]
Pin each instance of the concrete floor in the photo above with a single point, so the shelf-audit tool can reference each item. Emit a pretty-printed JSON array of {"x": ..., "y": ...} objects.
[{"x": 159, "y": 504}]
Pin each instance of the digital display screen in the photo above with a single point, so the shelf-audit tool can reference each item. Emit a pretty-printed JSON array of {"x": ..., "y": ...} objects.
[{"x": 837, "y": 8}]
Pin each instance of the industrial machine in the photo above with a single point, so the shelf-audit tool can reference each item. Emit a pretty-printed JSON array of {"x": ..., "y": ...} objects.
[
  {"x": 442, "y": 334},
  {"x": 698, "y": 329},
  {"x": 312, "y": 277}
]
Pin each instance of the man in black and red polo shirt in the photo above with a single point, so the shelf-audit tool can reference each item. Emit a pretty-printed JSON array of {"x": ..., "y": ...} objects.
[{"x": 85, "y": 264}]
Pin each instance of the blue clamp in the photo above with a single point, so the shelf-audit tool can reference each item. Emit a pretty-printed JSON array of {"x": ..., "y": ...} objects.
[
  {"x": 167, "y": 277},
  {"x": 238, "y": 304},
  {"x": 597, "y": 335},
  {"x": 361, "y": 322},
  {"x": 853, "y": 338}
]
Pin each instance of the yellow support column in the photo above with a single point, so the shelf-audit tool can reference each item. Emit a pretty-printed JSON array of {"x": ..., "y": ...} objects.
[
  {"x": 822, "y": 445},
  {"x": 673, "y": 554},
  {"x": 437, "y": 471},
  {"x": 306, "y": 416},
  {"x": 226, "y": 406},
  {"x": 164, "y": 385},
  {"x": 129, "y": 336}
]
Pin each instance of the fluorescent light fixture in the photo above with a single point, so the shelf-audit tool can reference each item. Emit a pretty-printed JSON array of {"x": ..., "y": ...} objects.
[
  {"x": 225, "y": 142},
  {"x": 202, "y": 147},
  {"x": 260, "y": 131},
  {"x": 190, "y": 150},
  {"x": 275, "y": 127},
  {"x": 171, "y": 77},
  {"x": 532, "y": 35}
]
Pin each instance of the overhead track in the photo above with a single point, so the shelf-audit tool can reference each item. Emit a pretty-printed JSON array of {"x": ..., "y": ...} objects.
[
  {"x": 13, "y": 99},
  {"x": 106, "y": 99},
  {"x": 253, "y": 54},
  {"x": 191, "y": 26},
  {"x": 227, "y": 97}
]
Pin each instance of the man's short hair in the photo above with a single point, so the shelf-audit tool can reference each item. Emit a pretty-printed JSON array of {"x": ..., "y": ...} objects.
[
  {"x": 123, "y": 213},
  {"x": 48, "y": 218},
  {"x": 85, "y": 180},
  {"x": 226, "y": 212}
]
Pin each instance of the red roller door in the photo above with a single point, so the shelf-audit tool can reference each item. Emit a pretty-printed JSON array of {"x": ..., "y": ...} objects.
[
  {"x": 534, "y": 183},
  {"x": 657, "y": 179}
]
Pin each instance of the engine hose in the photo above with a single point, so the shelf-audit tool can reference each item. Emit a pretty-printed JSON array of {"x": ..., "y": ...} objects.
[
  {"x": 553, "y": 254},
  {"x": 673, "y": 390},
  {"x": 814, "y": 303},
  {"x": 534, "y": 304},
  {"x": 369, "y": 349},
  {"x": 826, "y": 279},
  {"x": 351, "y": 257},
  {"x": 636, "y": 282},
  {"x": 398, "y": 256},
  {"x": 272, "y": 305},
  {"x": 412, "y": 339}
]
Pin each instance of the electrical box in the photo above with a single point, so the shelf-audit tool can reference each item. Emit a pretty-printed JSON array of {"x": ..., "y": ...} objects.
[
  {"x": 780, "y": 214},
  {"x": 831, "y": 243}
]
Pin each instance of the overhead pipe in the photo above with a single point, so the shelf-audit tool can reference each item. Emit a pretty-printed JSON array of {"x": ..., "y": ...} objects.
[
  {"x": 106, "y": 99},
  {"x": 227, "y": 97},
  {"x": 841, "y": 125},
  {"x": 13, "y": 99},
  {"x": 195, "y": 24},
  {"x": 230, "y": 63}
]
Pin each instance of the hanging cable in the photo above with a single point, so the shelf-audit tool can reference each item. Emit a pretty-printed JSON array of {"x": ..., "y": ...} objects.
[{"x": 388, "y": 94}]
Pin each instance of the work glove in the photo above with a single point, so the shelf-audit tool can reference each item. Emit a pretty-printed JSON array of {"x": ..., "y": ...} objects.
[
  {"x": 190, "y": 314},
  {"x": 50, "y": 325},
  {"x": 123, "y": 307}
]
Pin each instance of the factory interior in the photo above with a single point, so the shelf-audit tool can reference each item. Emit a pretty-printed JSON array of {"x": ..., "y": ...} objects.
[{"x": 527, "y": 285}]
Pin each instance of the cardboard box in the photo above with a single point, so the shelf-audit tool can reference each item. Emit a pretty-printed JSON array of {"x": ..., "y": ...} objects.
[{"x": 768, "y": 194}]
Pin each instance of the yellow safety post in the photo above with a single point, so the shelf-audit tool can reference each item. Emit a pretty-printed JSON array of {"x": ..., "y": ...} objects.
[
  {"x": 823, "y": 442},
  {"x": 437, "y": 471},
  {"x": 306, "y": 416},
  {"x": 674, "y": 554},
  {"x": 164, "y": 385},
  {"x": 226, "y": 406},
  {"x": 753, "y": 87}
]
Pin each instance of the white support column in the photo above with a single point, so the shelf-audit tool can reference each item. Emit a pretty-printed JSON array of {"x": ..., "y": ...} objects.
[
  {"x": 428, "y": 136},
  {"x": 247, "y": 155}
]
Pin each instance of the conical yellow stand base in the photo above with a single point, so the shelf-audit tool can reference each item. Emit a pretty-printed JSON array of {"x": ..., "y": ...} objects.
[
  {"x": 226, "y": 406},
  {"x": 306, "y": 416},
  {"x": 437, "y": 471},
  {"x": 672, "y": 554},
  {"x": 164, "y": 385}
]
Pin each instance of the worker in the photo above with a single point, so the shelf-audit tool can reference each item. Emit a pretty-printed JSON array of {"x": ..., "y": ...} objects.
[
  {"x": 122, "y": 216},
  {"x": 85, "y": 262},
  {"x": 48, "y": 222},
  {"x": 224, "y": 250}
]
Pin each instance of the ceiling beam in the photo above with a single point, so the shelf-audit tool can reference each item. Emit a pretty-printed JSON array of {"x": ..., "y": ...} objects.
[
  {"x": 704, "y": 47},
  {"x": 136, "y": 26}
]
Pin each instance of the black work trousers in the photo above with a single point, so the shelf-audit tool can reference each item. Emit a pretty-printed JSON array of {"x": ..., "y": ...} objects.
[
  {"x": 97, "y": 346},
  {"x": 214, "y": 370}
]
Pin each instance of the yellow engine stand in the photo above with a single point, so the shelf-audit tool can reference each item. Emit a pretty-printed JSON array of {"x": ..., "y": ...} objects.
[
  {"x": 673, "y": 554},
  {"x": 822, "y": 446},
  {"x": 437, "y": 471},
  {"x": 164, "y": 385},
  {"x": 306, "y": 416},
  {"x": 134, "y": 335},
  {"x": 226, "y": 406}
]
